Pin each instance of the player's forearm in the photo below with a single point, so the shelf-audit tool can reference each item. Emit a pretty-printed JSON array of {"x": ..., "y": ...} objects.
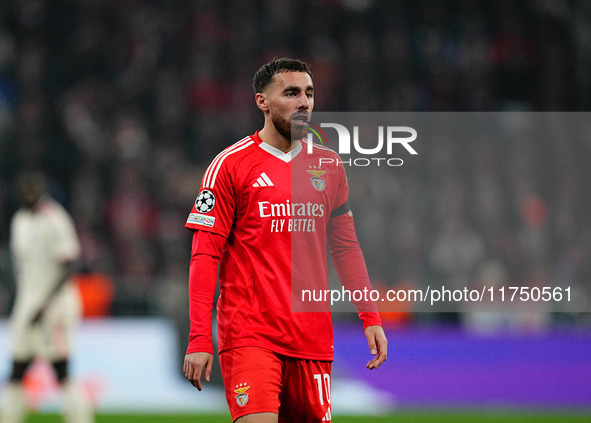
[
  {"x": 350, "y": 266},
  {"x": 202, "y": 284},
  {"x": 352, "y": 272}
]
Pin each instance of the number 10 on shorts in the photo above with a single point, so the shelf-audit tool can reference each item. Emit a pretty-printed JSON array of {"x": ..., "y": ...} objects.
[{"x": 323, "y": 385}]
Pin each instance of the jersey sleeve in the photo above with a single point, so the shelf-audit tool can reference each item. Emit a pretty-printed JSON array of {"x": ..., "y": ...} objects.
[
  {"x": 350, "y": 265},
  {"x": 67, "y": 247},
  {"x": 346, "y": 252},
  {"x": 205, "y": 256},
  {"x": 214, "y": 207},
  {"x": 341, "y": 203}
]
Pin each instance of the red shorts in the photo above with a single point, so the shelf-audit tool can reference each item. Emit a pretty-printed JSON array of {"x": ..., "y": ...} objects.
[{"x": 258, "y": 380}]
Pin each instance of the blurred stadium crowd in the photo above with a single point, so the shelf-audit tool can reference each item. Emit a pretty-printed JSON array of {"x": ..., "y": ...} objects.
[{"x": 124, "y": 103}]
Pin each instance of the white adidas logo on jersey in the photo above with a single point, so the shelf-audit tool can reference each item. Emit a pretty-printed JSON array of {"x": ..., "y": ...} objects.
[{"x": 263, "y": 181}]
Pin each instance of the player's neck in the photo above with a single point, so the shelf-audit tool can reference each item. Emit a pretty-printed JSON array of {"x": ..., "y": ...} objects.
[
  {"x": 270, "y": 136},
  {"x": 35, "y": 206}
]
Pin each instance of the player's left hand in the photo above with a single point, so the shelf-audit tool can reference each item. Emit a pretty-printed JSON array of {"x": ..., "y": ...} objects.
[
  {"x": 195, "y": 365},
  {"x": 378, "y": 346}
]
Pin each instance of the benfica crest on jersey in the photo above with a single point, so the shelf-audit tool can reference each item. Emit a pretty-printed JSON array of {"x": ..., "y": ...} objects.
[
  {"x": 317, "y": 182},
  {"x": 242, "y": 397}
]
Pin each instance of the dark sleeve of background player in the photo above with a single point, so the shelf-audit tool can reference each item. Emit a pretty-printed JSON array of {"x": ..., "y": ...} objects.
[
  {"x": 205, "y": 256},
  {"x": 346, "y": 253}
]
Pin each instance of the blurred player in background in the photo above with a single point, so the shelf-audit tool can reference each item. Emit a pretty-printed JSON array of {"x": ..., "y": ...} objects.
[
  {"x": 45, "y": 249},
  {"x": 276, "y": 363}
]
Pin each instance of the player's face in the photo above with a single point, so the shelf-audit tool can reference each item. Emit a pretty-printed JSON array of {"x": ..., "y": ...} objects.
[
  {"x": 291, "y": 101},
  {"x": 29, "y": 195}
]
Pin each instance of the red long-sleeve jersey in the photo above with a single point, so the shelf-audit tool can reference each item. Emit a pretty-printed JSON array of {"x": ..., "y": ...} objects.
[{"x": 267, "y": 217}]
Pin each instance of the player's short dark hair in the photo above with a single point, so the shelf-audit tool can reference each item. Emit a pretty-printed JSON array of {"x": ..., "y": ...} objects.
[{"x": 262, "y": 78}]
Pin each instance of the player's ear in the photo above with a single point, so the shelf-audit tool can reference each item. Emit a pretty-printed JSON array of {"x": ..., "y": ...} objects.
[{"x": 261, "y": 101}]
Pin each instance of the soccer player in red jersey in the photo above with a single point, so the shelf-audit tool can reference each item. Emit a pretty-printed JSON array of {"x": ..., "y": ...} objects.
[{"x": 265, "y": 212}]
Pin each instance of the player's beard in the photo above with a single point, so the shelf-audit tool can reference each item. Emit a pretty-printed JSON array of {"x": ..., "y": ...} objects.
[{"x": 286, "y": 129}]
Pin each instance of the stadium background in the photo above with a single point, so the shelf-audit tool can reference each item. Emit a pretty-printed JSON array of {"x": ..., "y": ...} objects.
[{"x": 124, "y": 103}]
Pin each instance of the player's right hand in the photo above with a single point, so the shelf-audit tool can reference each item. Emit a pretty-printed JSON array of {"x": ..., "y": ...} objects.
[{"x": 195, "y": 365}]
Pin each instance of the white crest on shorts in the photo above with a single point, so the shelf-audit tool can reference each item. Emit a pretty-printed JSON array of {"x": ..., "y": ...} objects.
[{"x": 242, "y": 397}]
